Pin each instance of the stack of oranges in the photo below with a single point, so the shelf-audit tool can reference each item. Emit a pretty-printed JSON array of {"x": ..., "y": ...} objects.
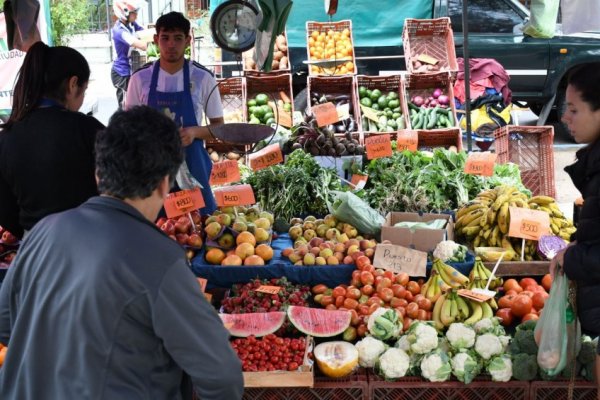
[{"x": 331, "y": 45}]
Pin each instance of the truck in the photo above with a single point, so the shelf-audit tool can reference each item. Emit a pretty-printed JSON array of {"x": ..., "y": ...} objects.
[{"x": 538, "y": 67}]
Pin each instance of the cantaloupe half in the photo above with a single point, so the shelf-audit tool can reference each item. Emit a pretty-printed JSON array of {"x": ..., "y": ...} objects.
[{"x": 336, "y": 359}]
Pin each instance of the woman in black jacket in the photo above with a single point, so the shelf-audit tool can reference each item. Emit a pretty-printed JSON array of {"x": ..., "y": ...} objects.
[
  {"x": 46, "y": 146},
  {"x": 581, "y": 260}
]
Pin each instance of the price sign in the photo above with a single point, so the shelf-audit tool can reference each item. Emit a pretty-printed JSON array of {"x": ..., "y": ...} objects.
[
  {"x": 237, "y": 195},
  {"x": 202, "y": 283},
  {"x": 268, "y": 156},
  {"x": 325, "y": 114},
  {"x": 369, "y": 113},
  {"x": 359, "y": 181},
  {"x": 283, "y": 117},
  {"x": 378, "y": 146},
  {"x": 528, "y": 224},
  {"x": 225, "y": 172},
  {"x": 407, "y": 140},
  {"x": 481, "y": 163},
  {"x": 183, "y": 202},
  {"x": 269, "y": 289},
  {"x": 400, "y": 259},
  {"x": 478, "y": 297}
]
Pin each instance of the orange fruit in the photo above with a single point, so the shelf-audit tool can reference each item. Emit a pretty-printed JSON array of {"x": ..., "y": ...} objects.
[
  {"x": 264, "y": 251},
  {"x": 246, "y": 237},
  {"x": 215, "y": 256},
  {"x": 244, "y": 250},
  {"x": 3, "y": 352},
  {"x": 232, "y": 260},
  {"x": 254, "y": 260}
]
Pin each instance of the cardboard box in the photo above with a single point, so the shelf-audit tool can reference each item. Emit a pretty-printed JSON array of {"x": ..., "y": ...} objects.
[{"x": 420, "y": 239}]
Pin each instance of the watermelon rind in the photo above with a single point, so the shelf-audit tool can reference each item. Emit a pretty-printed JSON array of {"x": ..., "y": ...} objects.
[
  {"x": 319, "y": 322},
  {"x": 257, "y": 324}
]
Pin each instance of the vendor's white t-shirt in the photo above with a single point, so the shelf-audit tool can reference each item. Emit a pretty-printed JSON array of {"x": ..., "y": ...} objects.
[{"x": 201, "y": 80}]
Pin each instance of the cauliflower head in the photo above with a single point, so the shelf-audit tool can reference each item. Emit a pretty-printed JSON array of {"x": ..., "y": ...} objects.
[
  {"x": 465, "y": 366},
  {"x": 436, "y": 367},
  {"x": 460, "y": 336},
  {"x": 394, "y": 363},
  {"x": 445, "y": 250},
  {"x": 423, "y": 337},
  {"x": 500, "y": 368},
  {"x": 488, "y": 345},
  {"x": 369, "y": 350},
  {"x": 403, "y": 343}
]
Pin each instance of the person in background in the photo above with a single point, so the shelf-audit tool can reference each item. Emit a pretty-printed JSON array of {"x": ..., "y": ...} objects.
[
  {"x": 99, "y": 303},
  {"x": 124, "y": 38},
  {"x": 581, "y": 260},
  {"x": 46, "y": 146},
  {"x": 183, "y": 89}
]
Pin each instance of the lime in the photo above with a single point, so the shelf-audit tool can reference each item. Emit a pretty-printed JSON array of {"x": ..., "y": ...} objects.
[
  {"x": 393, "y": 103},
  {"x": 396, "y": 115},
  {"x": 375, "y": 94},
  {"x": 258, "y": 112},
  {"x": 392, "y": 124},
  {"x": 261, "y": 99},
  {"x": 251, "y": 109},
  {"x": 268, "y": 115},
  {"x": 389, "y": 113},
  {"x": 362, "y": 92},
  {"x": 266, "y": 108},
  {"x": 365, "y": 101},
  {"x": 251, "y": 102},
  {"x": 254, "y": 120},
  {"x": 392, "y": 95},
  {"x": 375, "y": 106}
]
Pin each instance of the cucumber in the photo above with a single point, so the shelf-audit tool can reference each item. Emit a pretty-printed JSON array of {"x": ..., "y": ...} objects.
[
  {"x": 412, "y": 106},
  {"x": 418, "y": 122},
  {"x": 432, "y": 121},
  {"x": 450, "y": 118},
  {"x": 425, "y": 120},
  {"x": 413, "y": 112}
]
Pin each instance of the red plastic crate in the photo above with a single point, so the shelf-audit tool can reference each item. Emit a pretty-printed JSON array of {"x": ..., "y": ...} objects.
[
  {"x": 417, "y": 388},
  {"x": 274, "y": 85},
  {"x": 385, "y": 84},
  {"x": 320, "y": 27},
  {"x": 233, "y": 101},
  {"x": 558, "y": 390},
  {"x": 423, "y": 85},
  {"x": 431, "y": 37},
  {"x": 249, "y": 54},
  {"x": 531, "y": 148}
]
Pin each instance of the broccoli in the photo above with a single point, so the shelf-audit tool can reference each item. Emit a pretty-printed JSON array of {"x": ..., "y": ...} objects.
[
  {"x": 547, "y": 377},
  {"x": 524, "y": 340},
  {"x": 525, "y": 367},
  {"x": 587, "y": 354}
]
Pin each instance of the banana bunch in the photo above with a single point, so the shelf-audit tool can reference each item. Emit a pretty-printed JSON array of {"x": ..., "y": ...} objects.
[
  {"x": 559, "y": 224},
  {"x": 451, "y": 307},
  {"x": 434, "y": 287},
  {"x": 449, "y": 275},
  {"x": 480, "y": 275}
]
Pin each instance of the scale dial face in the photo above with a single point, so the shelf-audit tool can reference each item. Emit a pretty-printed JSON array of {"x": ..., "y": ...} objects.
[{"x": 233, "y": 25}]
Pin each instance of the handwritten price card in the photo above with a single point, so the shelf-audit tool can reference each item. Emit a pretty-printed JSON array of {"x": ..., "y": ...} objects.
[
  {"x": 268, "y": 289},
  {"x": 407, "y": 140},
  {"x": 469, "y": 294},
  {"x": 325, "y": 114},
  {"x": 378, "y": 146},
  {"x": 238, "y": 195},
  {"x": 481, "y": 163},
  {"x": 183, "y": 202},
  {"x": 225, "y": 172},
  {"x": 528, "y": 224},
  {"x": 400, "y": 259},
  {"x": 266, "y": 157},
  {"x": 359, "y": 181}
]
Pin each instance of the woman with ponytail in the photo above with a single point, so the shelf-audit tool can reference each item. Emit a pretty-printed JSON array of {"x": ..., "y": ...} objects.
[{"x": 46, "y": 146}]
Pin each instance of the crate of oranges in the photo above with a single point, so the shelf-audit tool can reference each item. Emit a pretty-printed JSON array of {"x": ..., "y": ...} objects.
[{"x": 330, "y": 41}]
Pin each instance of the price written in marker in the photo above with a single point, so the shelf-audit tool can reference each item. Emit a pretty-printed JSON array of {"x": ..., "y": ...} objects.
[
  {"x": 378, "y": 146},
  {"x": 268, "y": 156},
  {"x": 469, "y": 294},
  {"x": 225, "y": 172},
  {"x": 183, "y": 202},
  {"x": 528, "y": 224},
  {"x": 407, "y": 140},
  {"x": 268, "y": 289},
  {"x": 359, "y": 181},
  {"x": 481, "y": 163},
  {"x": 237, "y": 195},
  {"x": 325, "y": 114},
  {"x": 400, "y": 259}
]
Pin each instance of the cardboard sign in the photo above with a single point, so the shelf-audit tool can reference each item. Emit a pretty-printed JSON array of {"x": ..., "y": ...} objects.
[
  {"x": 237, "y": 195},
  {"x": 481, "y": 163},
  {"x": 369, "y": 113},
  {"x": 528, "y": 224},
  {"x": 325, "y": 114},
  {"x": 359, "y": 181},
  {"x": 202, "y": 283},
  {"x": 427, "y": 59},
  {"x": 225, "y": 172},
  {"x": 469, "y": 294},
  {"x": 400, "y": 259},
  {"x": 183, "y": 202},
  {"x": 407, "y": 140},
  {"x": 268, "y": 289},
  {"x": 378, "y": 146},
  {"x": 283, "y": 117},
  {"x": 268, "y": 156}
]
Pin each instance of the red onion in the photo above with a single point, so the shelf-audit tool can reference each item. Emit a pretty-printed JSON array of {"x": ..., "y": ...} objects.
[
  {"x": 443, "y": 99},
  {"x": 418, "y": 101},
  {"x": 437, "y": 93},
  {"x": 433, "y": 103}
]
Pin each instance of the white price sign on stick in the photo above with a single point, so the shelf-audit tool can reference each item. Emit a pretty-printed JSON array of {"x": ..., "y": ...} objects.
[{"x": 400, "y": 259}]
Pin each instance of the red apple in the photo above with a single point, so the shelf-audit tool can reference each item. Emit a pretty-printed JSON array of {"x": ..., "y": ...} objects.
[
  {"x": 182, "y": 238},
  {"x": 9, "y": 238},
  {"x": 161, "y": 221},
  {"x": 194, "y": 240},
  {"x": 168, "y": 228}
]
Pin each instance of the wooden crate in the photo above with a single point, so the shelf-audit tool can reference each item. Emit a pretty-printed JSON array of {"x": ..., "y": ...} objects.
[{"x": 323, "y": 28}]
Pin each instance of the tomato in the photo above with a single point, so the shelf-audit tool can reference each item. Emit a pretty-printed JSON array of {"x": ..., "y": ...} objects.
[
  {"x": 339, "y": 301},
  {"x": 413, "y": 287},
  {"x": 362, "y": 261},
  {"x": 327, "y": 300},
  {"x": 401, "y": 311},
  {"x": 527, "y": 282},
  {"x": 406, "y": 324},
  {"x": 363, "y": 299},
  {"x": 331, "y": 307},
  {"x": 425, "y": 304},
  {"x": 363, "y": 309},
  {"x": 338, "y": 291},
  {"x": 361, "y": 330},
  {"x": 353, "y": 293},
  {"x": 511, "y": 292},
  {"x": 378, "y": 272},
  {"x": 378, "y": 280},
  {"x": 398, "y": 290},
  {"x": 418, "y": 297},
  {"x": 366, "y": 278},
  {"x": 354, "y": 319},
  {"x": 530, "y": 316},
  {"x": 505, "y": 315},
  {"x": 521, "y": 305},
  {"x": 527, "y": 293},
  {"x": 375, "y": 299},
  {"x": 367, "y": 290},
  {"x": 386, "y": 294},
  {"x": 506, "y": 301},
  {"x": 384, "y": 283},
  {"x": 369, "y": 268},
  {"x": 389, "y": 275},
  {"x": 547, "y": 282},
  {"x": 350, "y": 304},
  {"x": 422, "y": 315},
  {"x": 319, "y": 289},
  {"x": 396, "y": 302},
  {"x": 373, "y": 307},
  {"x": 512, "y": 284},
  {"x": 412, "y": 310},
  {"x": 539, "y": 299},
  {"x": 402, "y": 278},
  {"x": 408, "y": 296}
]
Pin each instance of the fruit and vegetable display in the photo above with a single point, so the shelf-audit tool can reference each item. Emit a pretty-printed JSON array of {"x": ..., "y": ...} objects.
[
  {"x": 432, "y": 111},
  {"x": 484, "y": 223},
  {"x": 280, "y": 56},
  {"x": 331, "y": 45},
  {"x": 260, "y": 108},
  {"x": 185, "y": 230},
  {"x": 387, "y": 106},
  {"x": 9, "y": 245}
]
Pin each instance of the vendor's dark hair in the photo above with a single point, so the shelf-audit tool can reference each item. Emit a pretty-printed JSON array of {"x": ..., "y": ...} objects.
[
  {"x": 586, "y": 79},
  {"x": 45, "y": 73},
  {"x": 172, "y": 21},
  {"x": 138, "y": 148}
]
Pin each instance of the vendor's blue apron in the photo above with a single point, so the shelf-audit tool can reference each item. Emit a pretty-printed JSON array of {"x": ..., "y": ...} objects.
[{"x": 181, "y": 104}]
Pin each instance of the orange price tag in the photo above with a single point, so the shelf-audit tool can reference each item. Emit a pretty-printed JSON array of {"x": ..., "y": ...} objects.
[
  {"x": 202, "y": 283},
  {"x": 237, "y": 195},
  {"x": 183, "y": 202},
  {"x": 270, "y": 155},
  {"x": 378, "y": 146},
  {"x": 325, "y": 114},
  {"x": 359, "y": 181},
  {"x": 407, "y": 140},
  {"x": 481, "y": 163},
  {"x": 469, "y": 294},
  {"x": 283, "y": 117},
  {"x": 225, "y": 172},
  {"x": 528, "y": 224},
  {"x": 269, "y": 289}
]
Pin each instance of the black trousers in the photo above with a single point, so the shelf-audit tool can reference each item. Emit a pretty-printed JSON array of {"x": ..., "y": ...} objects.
[{"x": 120, "y": 83}]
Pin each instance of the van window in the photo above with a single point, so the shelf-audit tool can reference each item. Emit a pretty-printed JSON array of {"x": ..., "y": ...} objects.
[{"x": 485, "y": 16}]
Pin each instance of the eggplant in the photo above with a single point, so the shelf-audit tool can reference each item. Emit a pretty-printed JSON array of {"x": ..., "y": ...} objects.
[
  {"x": 351, "y": 126},
  {"x": 342, "y": 99},
  {"x": 341, "y": 128}
]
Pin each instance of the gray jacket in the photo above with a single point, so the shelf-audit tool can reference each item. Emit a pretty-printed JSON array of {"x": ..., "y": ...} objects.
[{"x": 99, "y": 304}]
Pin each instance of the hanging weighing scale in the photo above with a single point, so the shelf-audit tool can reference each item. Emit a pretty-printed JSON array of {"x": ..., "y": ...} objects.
[{"x": 233, "y": 25}]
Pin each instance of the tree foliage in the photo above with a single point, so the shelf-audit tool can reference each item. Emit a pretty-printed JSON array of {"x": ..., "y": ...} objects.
[{"x": 68, "y": 17}]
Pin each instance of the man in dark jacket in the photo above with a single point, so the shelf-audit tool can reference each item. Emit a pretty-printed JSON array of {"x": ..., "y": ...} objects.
[{"x": 99, "y": 303}]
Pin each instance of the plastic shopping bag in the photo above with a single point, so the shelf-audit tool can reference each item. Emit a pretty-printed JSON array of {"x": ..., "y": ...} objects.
[
  {"x": 551, "y": 329},
  {"x": 542, "y": 23},
  {"x": 349, "y": 208}
]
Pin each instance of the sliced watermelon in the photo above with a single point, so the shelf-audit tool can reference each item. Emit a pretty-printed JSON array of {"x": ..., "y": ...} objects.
[
  {"x": 257, "y": 324},
  {"x": 319, "y": 322}
]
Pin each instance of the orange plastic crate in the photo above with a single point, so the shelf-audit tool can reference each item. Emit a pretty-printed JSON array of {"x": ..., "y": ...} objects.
[
  {"x": 531, "y": 148},
  {"x": 324, "y": 27},
  {"x": 423, "y": 85},
  {"x": 430, "y": 37},
  {"x": 247, "y": 55},
  {"x": 275, "y": 86},
  {"x": 385, "y": 84}
]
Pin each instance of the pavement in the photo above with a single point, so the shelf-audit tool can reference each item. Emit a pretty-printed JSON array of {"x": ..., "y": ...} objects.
[{"x": 101, "y": 97}]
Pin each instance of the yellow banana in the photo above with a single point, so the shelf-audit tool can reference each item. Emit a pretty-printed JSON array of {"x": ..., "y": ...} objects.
[
  {"x": 542, "y": 200},
  {"x": 437, "y": 310},
  {"x": 470, "y": 216},
  {"x": 510, "y": 251},
  {"x": 476, "y": 313},
  {"x": 503, "y": 218},
  {"x": 491, "y": 216},
  {"x": 467, "y": 208},
  {"x": 445, "y": 314},
  {"x": 487, "y": 310},
  {"x": 555, "y": 229},
  {"x": 471, "y": 231},
  {"x": 454, "y": 273},
  {"x": 463, "y": 308},
  {"x": 493, "y": 304},
  {"x": 454, "y": 308}
]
